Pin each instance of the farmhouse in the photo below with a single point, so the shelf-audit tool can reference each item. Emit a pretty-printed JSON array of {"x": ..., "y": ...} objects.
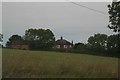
[{"x": 63, "y": 44}]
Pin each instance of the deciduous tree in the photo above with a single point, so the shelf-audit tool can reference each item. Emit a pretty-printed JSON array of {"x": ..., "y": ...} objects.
[
  {"x": 114, "y": 18},
  {"x": 40, "y": 38},
  {"x": 112, "y": 43},
  {"x": 14, "y": 39},
  {"x": 97, "y": 42}
]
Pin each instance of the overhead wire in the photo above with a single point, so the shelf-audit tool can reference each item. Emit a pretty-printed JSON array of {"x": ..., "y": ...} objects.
[{"x": 87, "y": 8}]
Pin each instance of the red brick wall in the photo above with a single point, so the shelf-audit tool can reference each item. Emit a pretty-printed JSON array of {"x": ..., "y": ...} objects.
[
  {"x": 20, "y": 46},
  {"x": 24, "y": 47}
]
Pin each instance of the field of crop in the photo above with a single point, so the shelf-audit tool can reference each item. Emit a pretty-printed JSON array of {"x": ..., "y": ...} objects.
[{"x": 39, "y": 64}]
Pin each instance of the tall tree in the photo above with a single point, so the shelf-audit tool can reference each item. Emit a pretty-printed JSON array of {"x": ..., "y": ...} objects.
[
  {"x": 97, "y": 42},
  {"x": 114, "y": 18},
  {"x": 40, "y": 38}
]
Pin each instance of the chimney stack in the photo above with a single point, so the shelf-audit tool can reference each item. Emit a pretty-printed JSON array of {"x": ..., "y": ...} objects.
[
  {"x": 72, "y": 41},
  {"x": 61, "y": 38}
]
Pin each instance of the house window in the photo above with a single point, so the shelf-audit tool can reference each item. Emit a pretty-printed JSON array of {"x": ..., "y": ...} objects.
[
  {"x": 70, "y": 46},
  {"x": 58, "y": 46},
  {"x": 65, "y": 46}
]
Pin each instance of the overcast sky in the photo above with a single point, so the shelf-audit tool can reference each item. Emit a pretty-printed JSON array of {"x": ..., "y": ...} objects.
[{"x": 63, "y": 18}]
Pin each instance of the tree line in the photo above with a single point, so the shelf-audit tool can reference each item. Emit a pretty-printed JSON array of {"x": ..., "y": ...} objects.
[
  {"x": 100, "y": 43},
  {"x": 44, "y": 39}
]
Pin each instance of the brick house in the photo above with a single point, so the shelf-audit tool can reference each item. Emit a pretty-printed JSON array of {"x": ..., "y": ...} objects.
[
  {"x": 63, "y": 44},
  {"x": 19, "y": 45}
]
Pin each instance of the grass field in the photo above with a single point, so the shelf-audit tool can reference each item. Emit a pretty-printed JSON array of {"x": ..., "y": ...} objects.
[{"x": 39, "y": 64}]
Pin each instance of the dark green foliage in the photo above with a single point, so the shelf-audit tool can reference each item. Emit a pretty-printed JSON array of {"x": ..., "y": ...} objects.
[
  {"x": 101, "y": 43},
  {"x": 14, "y": 39},
  {"x": 97, "y": 42},
  {"x": 114, "y": 18},
  {"x": 80, "y": 46},
  {"x": 39, "y": 39},
  {"x": 112, "y": 43},
  {"x": 1, "y": 40},
  {"x": 1, "y": 37}
]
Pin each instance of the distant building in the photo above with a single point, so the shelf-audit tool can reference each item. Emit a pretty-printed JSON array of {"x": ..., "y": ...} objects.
[
  {"x": 63, "y": 44},
  {"x": 59, "y": 44},
  {"x": 19, "y": 45}
]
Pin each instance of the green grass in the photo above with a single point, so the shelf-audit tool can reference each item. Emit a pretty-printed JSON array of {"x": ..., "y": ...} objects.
[{"x": 39, "y": 64}]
